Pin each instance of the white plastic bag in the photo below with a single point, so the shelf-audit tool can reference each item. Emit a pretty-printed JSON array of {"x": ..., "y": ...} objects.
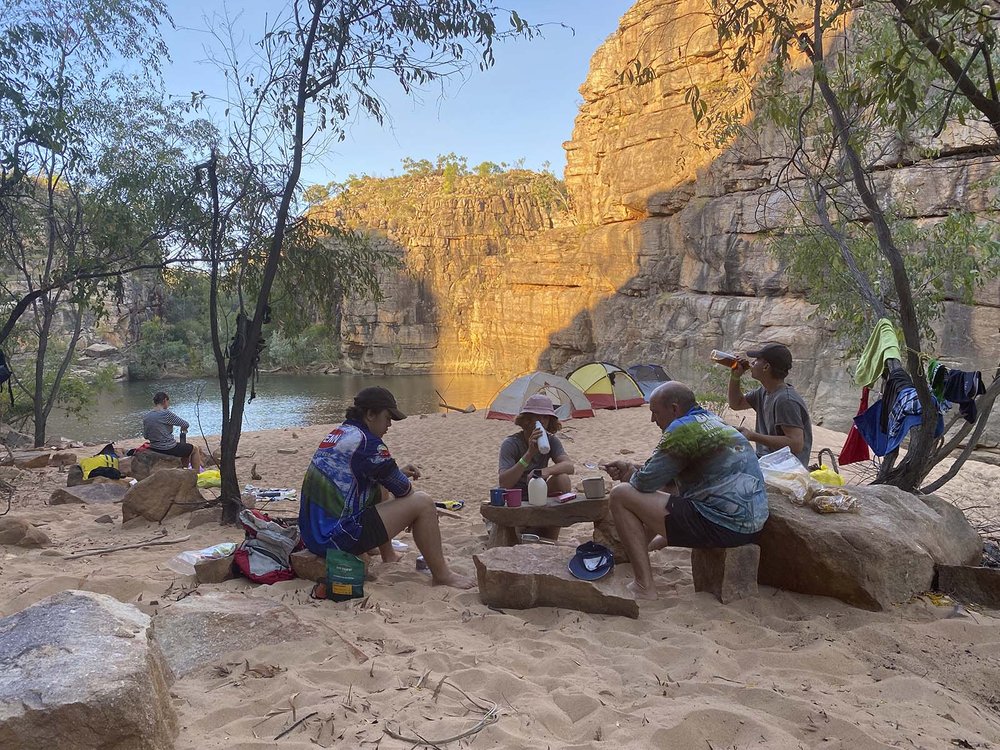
[
  {"x": 784, "y": 472},
  {"x": 184, "y": 562}
]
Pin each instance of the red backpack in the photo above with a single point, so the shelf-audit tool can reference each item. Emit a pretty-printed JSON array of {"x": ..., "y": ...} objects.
[{"x": 264, "y": 555}]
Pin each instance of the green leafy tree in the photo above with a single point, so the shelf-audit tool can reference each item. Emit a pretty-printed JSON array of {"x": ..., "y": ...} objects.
[
  {"x": 93, "y": 179},
  {"x": 809, "y": 69},
  {"x": 319, "y": 66}
]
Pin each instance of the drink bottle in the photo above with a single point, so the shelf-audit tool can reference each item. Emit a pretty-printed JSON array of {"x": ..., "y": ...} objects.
[
  {"x": 543, "y": 440},
  {"x": 538, "y": 490},
  {"x": 725, "y": 359}
]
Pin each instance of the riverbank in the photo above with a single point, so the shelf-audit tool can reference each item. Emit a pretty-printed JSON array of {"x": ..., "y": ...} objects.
[{"x": 779, "y": 671}]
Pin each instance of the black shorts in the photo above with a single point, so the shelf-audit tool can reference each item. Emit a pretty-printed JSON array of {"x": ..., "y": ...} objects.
[
  {"x": 373, "y": 533},
  {"x": 181, "y": 450},
  {"x": 686, "y": 527}
]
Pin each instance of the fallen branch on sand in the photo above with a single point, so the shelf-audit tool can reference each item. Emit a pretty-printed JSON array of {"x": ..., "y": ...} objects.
[
  {"x": 492, "y": 716},
  {"x": 139, "y": 545},
  {"x": 314, "y": 713},
  {"x": 445, "y": 405},
  {"x": 467, "y": 410}
]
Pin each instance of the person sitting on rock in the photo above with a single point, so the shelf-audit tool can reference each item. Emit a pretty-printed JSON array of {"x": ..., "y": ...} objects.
[
  {"x": 520, "y": 457},
  {"x": 718, "y": 497},
  {"x": 338, "y": 508},
  {"x": 158, "y": 429},
  {"x": 782, "y": 416}
]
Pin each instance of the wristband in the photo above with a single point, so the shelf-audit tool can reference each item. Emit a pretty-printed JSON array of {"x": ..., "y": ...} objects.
[{"x": 524, "y": 463}]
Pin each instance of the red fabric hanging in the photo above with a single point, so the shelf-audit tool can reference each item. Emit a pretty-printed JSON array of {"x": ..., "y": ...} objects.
[{"x": 855, "y": 448}]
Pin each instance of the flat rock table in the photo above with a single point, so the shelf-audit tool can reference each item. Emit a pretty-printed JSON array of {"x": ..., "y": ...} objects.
[{"x": 505, "y": 520}]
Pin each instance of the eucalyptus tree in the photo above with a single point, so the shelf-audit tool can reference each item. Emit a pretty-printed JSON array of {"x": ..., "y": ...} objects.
[
  {"x": 856, "y": 90},
  {"x": 94, "y": 176},
  {"x": 320, "y": 65}
]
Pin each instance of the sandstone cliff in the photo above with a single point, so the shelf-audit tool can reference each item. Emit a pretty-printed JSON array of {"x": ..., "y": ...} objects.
[{"x": 665, "y": 256}]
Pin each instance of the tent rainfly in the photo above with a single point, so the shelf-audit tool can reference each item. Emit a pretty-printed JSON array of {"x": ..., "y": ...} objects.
[
  {"x": 607, "y": 386},
  {"x": 570, "y": 403},
  {"x": 648, "y": 377}
]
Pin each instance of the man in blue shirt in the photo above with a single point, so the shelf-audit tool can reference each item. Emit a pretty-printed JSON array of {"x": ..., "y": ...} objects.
[
  {"x": 343, "y": 483},
  {"x": 716, "y": 498}
]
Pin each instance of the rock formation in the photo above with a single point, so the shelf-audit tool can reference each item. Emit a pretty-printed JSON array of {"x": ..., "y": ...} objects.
[{"x": 664, "y": 256}]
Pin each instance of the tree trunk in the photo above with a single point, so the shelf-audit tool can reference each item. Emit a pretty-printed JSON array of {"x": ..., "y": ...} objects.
[{"x": 914, "y": 467}]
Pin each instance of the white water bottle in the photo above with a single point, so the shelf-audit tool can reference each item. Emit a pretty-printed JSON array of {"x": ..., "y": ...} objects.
[
  {"x": 543, "y": 439},
  {"x": 538, "y": 490}
]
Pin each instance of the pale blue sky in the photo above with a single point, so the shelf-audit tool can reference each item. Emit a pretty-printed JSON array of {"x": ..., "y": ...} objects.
[{"x": 522, "y": 108}]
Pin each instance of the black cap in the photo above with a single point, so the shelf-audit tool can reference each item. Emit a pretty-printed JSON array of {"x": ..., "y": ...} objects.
[
  {"x": 777, "y": 355},
  {"x": 376, "y": 398}
]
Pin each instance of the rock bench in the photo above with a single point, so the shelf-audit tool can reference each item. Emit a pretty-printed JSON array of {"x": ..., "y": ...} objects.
[
  {"x": 582, "y": 510},
  {"x": 728, "y": 573},
  {"x": 537, "y": 575}
]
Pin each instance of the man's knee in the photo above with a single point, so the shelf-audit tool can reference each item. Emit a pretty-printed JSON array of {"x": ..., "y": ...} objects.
[
  {"x": 621, "y": 494},
  {"x": 422, "y": 500}
]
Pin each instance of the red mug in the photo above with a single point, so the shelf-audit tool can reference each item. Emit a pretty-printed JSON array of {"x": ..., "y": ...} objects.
[{"x": 513, "y": 498}]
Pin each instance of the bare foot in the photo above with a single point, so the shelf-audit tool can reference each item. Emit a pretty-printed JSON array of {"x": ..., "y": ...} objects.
[
  {"x": 639, "y": 591},
  {"x": 455, "y": 581},
  {"x": 658, "y": 542},
  {"x": 391, "y": 556}
]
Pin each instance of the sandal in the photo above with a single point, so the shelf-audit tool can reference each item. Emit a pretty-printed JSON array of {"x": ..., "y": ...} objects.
[{"x": 318, "y": 587}]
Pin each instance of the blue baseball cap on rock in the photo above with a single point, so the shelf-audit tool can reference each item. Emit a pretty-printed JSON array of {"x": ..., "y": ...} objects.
[{"x": 591, "y": 561}]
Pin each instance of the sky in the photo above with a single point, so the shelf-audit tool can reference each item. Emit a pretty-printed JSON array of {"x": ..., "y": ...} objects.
[{"x": 523, "y": 108}]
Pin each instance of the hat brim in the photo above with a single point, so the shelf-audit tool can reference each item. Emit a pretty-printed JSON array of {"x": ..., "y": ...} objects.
[
  {"x": 591, "y": 550},
  {"x": 579, "y": 570},
  {"x": 396, "y": 414}
]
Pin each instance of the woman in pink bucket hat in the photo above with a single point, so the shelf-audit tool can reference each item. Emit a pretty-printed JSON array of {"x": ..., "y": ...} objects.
[{"x": 519, "y": 455}]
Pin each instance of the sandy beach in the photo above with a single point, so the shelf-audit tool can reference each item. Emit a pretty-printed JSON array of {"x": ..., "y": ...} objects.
[{"x": 778, "y": 671}]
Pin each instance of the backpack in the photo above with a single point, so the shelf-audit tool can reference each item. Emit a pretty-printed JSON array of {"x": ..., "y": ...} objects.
[
  {"x": 100, "y": 461},
  {"x": 264, "y": 555},
  {"x": 5, "y": 375}
]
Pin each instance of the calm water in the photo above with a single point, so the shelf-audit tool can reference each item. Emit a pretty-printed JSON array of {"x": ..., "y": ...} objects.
[{"x": 282, "y": 401}]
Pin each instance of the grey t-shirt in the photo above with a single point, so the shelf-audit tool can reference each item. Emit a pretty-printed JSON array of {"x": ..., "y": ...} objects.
[
  {"x": 783, "y": 407},
  {"x": 515, "y": 446},
  {"x": 158, "y": 428}
]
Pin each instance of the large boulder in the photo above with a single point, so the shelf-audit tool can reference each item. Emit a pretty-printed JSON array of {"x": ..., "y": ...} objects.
[
  {"x": 62, "y": 458},
  {"x": 26, "y": 459},
  {"x": 18, "y": 532},
  {"x": 99, "y": 351},
  {"x": 164, "y": 494},
  {"x": 79, "y": 671},
  {"x": 14, "y": 439},
  {"x": 90, "y": 494},
  {"x": 879, "y": 557},
  {"x": 148, "y": 462},
  {"x": 202, "y": 628},
  {"x": 537, "y": 575}
]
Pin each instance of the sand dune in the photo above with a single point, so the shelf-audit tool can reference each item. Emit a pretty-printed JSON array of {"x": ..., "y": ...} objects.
[{"x": 778, "y": 671}]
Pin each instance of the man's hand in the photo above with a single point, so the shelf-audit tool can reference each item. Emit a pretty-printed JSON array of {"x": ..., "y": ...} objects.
[
  {"x": 742, "y": 365},
  {"x": 620, "y": 471},
  {"x": 411, "y": 471},
  {"x": 533, "y": 443},
  {"x": 747, "y": 432}
]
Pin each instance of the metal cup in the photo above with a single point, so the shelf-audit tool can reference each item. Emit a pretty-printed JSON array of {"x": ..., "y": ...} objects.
[{"x": 496, "y": 496}]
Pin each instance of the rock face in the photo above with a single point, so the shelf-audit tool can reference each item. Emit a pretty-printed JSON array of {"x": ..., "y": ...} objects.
[
  {"x": 166, "y": 493},
  {"x": 90, "y": 494},
  {"x": 874, "y": 559},
  {"x": 536, "y": 575},
  {"x": 664, "y": 256},
  {"x": 79, "y": 671},
  {"x": 145, "y": 463},
  {"x": 203, "y": 627}
]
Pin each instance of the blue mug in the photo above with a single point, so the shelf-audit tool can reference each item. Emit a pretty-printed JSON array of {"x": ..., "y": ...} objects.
[{"x": 496, "y": 496}]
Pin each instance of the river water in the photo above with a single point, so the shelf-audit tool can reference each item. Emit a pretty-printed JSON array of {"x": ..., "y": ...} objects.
[{"x": 282, "y": 401}]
